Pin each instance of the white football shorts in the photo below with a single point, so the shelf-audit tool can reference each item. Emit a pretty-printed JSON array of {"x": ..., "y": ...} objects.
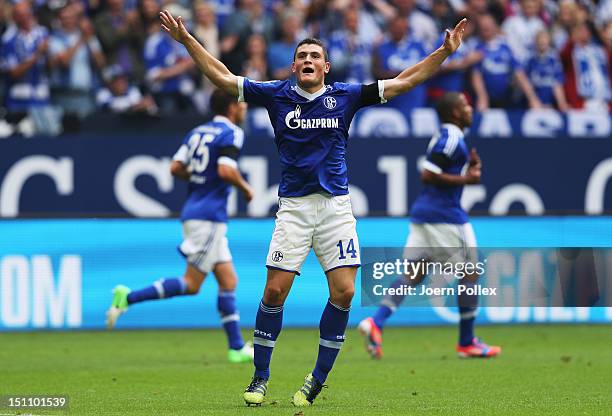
[
  {"x": 205, "y": 244},
  {"x": 441, "y": 242},
  {"x": 323, "y": 222}
]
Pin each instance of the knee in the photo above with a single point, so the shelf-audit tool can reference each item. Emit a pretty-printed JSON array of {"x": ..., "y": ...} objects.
[
  {"x": 273, "y": 295},
  {"x": 343, "y": 296},
  {"x": 228, "y": 284},
  {"x": 192, "y": 288}
]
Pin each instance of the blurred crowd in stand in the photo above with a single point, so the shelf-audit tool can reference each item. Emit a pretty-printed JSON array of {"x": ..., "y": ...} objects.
[{"x": 63, "y": 60}]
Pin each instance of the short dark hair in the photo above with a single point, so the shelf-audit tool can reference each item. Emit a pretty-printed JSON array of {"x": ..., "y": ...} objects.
[
  {"x": 311, "y": 41},
  {"x": 220, "y": 102},
  {"x": 446, "y": 105}
]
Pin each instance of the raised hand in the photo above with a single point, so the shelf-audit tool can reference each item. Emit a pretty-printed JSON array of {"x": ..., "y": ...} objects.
[
  {"x": 175, "y": 27},
  {"x": 452, "y": 40}
]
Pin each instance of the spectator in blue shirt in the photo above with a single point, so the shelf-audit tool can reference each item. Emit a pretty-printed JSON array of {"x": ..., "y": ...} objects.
[
  {"x": 24, "y": 58},
  {"x": 394, "y": 55},
  {"x": 281, "y": 52},
  {"x": 546, "y": 74},
  {"x": 492, "y": 77},
  {"x": 76, "y": 55},
  {"x": 119, "y": 96},
  {"x": 167, "y": 64},
  {"x": 350, "y": 52},
  {"x": 452, "y": 76}
]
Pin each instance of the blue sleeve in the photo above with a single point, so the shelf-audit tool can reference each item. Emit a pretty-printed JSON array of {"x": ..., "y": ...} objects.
[
  {"x": 257, "y": 92},
  {"x": 232, "y": 138},
  {"x": 354, "y": 97},
  {"x": 445, "y": 145}
]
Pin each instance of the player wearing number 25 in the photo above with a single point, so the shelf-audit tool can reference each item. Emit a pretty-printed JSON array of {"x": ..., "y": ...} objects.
[{"x": 207, "y": 160}]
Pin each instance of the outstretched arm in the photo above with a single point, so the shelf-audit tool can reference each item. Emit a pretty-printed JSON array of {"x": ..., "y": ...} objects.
[
  {"x": 416, "y": 74},
  {"x": 212, "y": 68}
]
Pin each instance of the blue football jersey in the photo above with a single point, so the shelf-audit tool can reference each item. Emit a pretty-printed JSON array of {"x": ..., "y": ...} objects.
[
  {"x": 161, "y": 52},
  {"x": 544, "y": 72},
  {"x": 497, "y": 67},
  {"x": 310, "y": 131},
  {"x": 32, "y": 89},
  {"x": 397, "y": 57},
  {"x": 203, "y": 149},
  {"x": 454, "y": 80},
  {"x": 447, "y": 152}
]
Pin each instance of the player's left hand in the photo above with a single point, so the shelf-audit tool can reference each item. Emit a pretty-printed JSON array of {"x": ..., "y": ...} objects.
[
  {"x": 175, "y": 27},
  {"x": 452, "y": 39},
  {"x": 475, "y": 158}
]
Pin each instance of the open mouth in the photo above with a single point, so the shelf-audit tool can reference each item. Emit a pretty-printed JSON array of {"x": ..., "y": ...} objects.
[{"x": 308, "y": 70}]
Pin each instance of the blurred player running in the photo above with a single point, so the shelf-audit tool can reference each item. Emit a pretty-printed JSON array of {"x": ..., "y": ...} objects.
[
  {"x": 311, "y": 121},
  {"x": 207, "y": 160},
  {"x": 439, "y": 224}
]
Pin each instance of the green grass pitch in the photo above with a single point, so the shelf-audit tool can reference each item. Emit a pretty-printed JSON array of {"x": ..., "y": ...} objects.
[{"x": 554, "y": 370}]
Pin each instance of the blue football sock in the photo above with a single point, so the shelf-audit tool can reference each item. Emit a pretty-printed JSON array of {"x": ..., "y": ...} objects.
[
  {"x": 163, "y": 288},
  {"x": 268, "y": 325},
  {"x": 226, "y": 305},
  {"x": 468, "y": 308},
  {"x": 382, "y": 314},
  {"x": 389, "y": 304},
  {"x": 331, "y": 328}
]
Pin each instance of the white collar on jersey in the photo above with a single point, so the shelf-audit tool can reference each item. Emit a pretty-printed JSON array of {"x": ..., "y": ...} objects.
[
  {"x": 308, "y": 95},
  {"x": 454, "y": 128},
  {"x": 223, "y": 119}
]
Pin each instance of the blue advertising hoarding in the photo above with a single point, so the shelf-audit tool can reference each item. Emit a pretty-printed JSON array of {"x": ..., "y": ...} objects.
[
  {"x": 58, "y": 274},
  {"x": 130, "y": 176}
]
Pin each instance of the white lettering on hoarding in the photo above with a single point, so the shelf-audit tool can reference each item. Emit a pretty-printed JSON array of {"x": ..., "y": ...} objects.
[
  {"x": 32, "y": 296},
  {"x": 61, "y": 171}
]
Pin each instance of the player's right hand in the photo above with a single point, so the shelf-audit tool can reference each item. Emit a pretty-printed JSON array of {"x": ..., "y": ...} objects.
[
  {"x": 175, "y": 27},
  {"x": 248, "y": 193},
  {"x": 473, "y": 175}
]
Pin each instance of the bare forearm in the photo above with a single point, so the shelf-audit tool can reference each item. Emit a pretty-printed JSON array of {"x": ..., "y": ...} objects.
[
  {"x": 234, "y": 177},
  {"x": 560, "y": 97},
  {"x": 525, "y": 86},
  {"x": 65, "y": 57},
  {"x": 426, "y": 68},
  {"x": 479, "y": 87},
  {"x": 416, "y": 74},
  {"x": 180, "y": 170},
  {"x": 212, "y": 68},
  {"x": 444, "y": 179},
  {"x": 383, "y": 8},
  {"x": 177, "y": 69},
  {"x": 22, "y": 68}
]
